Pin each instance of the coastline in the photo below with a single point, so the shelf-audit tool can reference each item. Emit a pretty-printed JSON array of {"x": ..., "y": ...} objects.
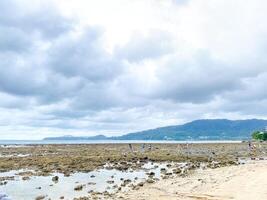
[
  {"x": 40, "y": 142},
  {"x": 120, "y": 170},
  {"x": 242, "y": 182}
]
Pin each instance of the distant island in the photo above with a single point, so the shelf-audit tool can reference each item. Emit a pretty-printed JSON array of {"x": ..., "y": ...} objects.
[{"x": 208, "y": 129}]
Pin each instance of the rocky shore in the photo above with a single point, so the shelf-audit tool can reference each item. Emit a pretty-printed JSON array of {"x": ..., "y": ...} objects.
[{"x": 154, "y": 163}]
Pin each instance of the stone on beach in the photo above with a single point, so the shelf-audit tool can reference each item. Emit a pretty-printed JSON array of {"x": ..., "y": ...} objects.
[
  {"x": 55, "y": 179},
  {"x": 41, "y": 197},
  {"x": 78, "y": 187}
]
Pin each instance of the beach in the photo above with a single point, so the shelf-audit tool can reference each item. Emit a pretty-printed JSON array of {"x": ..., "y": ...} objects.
[
  {"x": 133, "y": 171},
  {"x": 242, "y": 182}
]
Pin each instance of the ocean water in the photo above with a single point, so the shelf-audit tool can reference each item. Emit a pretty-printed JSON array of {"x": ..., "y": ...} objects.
[
  {"x": 29, "y": 142},
  {"x": 19, "y": 189}
]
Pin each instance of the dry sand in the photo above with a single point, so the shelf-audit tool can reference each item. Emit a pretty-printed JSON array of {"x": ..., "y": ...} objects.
[{"x": 244, "y": 182}]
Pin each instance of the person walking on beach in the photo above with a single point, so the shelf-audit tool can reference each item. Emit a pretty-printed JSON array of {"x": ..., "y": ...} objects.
[
  {"x": 131, "y": 147},
  {"x": 143, "y": 147},
  {"x": 150, "y": 147},
  {"x": 249, "y": 146}
]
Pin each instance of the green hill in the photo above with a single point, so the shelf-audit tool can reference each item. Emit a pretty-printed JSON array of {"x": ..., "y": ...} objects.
[{"x": 210, "y": 129}]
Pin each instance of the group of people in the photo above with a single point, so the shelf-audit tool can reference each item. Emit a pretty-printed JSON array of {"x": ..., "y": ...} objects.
[
  {"x": 254, "y": 149},
  {"x": 143, "y": 147}
]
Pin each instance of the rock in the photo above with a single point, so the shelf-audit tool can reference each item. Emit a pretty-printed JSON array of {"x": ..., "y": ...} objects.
[
  {"x": 163, "y": 170},
  {"x": 25, "y": 178},
  {"x": 78, "y": 187},
  {"x": 150, "y": 180},
  {"x": 141, "y": 184},
  {"x": 40, "y": 197},
  {"x": 55, "y": 179},
  {"x": 3, "y": 183},
  {"x": 213, "y": 164},
  {"x": 110, "y": 182},
  {"x": 135, "y": 187},
  {"x": 7, "y": 178},
  {"x": 177, "y": 171},
  {"x": 66, "y": 174},
  {"x": 165, "y": 177},
  {"x": 92, "y": 176},
  {"x": 151, "y": 174},
  {"x": 192, "y": 166},
  {"x": 127, "y": 181}
]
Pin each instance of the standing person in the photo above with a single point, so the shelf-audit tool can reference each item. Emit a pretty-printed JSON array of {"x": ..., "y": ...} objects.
[
  {"x": 143, "y": 147},
  {"x": 187, "y": 148},
  {"x": 131, "y": 147},
  {"x": 249, "y": 146}
]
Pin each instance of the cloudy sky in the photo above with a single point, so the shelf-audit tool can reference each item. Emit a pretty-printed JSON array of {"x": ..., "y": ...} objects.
[{"x": 86, "y": 67}]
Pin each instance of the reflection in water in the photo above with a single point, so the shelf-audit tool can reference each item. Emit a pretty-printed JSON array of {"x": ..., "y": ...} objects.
[{"x": 99, "y": 181}]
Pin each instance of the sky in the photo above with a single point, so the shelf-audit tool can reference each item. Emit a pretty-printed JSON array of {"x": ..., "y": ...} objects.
[{"x": 88, "y": 67}]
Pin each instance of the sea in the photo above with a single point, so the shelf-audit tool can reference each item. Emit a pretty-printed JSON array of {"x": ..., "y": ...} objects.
[{"x": 40, "y": 142}]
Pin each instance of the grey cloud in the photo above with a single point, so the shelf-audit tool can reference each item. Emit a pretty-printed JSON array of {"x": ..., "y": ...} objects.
[
  {"x": 23, "y": 32},
  {"x": 23, "y": 77},
  {"x": 199, "y": 79},
  {"x": 45, "y": 20},
  {"x": 84, "y": 56},
  {"x": 247, "y": 108},
  {"x": 17, "y": 78},
  {"x": 14, "y": 40},
  {"x": 253, "y": 89}
]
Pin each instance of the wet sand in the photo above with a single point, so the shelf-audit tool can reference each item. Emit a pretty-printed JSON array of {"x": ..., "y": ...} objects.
[{"x": 242, "y": 182}]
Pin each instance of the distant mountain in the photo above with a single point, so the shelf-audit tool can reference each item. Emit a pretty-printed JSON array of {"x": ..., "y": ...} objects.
[
  {"x": 209, "y": 129},
  {"x": 70, "y": 137}
]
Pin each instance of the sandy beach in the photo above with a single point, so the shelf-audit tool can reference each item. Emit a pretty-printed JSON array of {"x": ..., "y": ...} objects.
[{"x": 242, "y": 182}]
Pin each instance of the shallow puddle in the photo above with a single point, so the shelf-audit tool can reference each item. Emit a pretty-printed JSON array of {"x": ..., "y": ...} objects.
[{"x": 98, "y": 181}]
